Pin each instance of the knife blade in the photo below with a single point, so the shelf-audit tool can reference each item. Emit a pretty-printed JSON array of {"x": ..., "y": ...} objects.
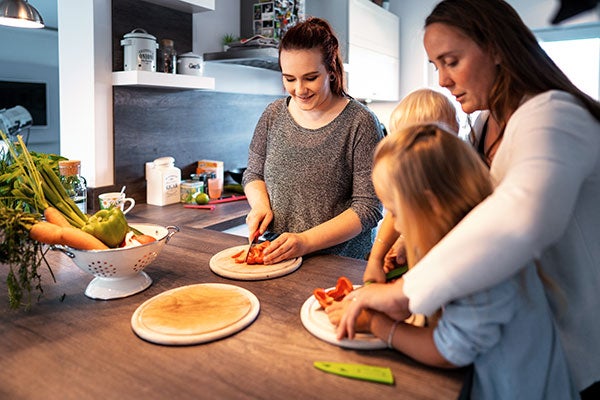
[
  {"x": 357, "y": 371},
  {"x": 250, "y": 246}
]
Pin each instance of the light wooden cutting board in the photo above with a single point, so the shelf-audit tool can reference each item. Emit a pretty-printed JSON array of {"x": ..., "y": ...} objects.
[
  {"x": 195, "y": 314},
  {"x": 224, "y": 265}
]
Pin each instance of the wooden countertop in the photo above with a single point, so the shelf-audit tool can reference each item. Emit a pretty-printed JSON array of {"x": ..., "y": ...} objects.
[
  {"x": 225, "y": 215},
  {"x": 71, "y": 347}
]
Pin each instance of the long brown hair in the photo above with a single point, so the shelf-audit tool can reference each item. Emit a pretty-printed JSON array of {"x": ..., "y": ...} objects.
[
  {"x": 525, "y": 68},
  {"x": 425, "y": 162},
  {"x": 316, "y": 33}
]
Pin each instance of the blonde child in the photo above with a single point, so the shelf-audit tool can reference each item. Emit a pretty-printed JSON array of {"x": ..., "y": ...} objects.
[
  {"x": 428, "y": 180},
  {"x": 422, "y": 105}
]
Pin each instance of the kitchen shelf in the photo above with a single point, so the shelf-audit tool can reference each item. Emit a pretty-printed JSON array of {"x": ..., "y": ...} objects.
[
  {"x": 162, "y": 80},
  {"x": 267, "y": 57},
  {"x": 189, "y": 6}
]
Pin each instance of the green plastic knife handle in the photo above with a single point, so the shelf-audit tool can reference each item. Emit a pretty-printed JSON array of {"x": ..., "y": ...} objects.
[
  {"x": 396, "y": 273},
  {"x": 357, "y": 371}
]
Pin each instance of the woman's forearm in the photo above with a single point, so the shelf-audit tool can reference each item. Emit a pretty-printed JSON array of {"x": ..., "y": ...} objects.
[
  {"x": 256, "y": 193},
  {"x": 337, "y": 230}
]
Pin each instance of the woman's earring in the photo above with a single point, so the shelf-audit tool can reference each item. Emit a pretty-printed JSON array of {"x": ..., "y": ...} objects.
[{"x": 332, "y": 78}]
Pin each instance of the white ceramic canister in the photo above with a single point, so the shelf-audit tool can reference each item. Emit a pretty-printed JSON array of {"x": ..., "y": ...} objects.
[
  {"x": 140, "y": 51},
  {"x": 189, "y": 64},
  {"x": 163, "y": 182}
]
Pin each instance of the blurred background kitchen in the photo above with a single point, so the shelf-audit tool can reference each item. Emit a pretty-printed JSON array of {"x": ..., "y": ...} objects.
[{"x": 84, "y": 106}]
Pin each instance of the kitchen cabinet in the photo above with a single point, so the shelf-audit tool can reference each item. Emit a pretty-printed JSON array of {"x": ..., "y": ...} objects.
[{"x": 370, "y": 43}]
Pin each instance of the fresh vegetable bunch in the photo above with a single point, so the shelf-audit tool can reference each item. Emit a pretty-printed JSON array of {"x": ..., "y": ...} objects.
[{"x": 29, "y": 189}]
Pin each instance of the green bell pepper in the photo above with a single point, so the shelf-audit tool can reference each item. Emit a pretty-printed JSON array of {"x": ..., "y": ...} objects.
[{"x": 110, "y": 226}]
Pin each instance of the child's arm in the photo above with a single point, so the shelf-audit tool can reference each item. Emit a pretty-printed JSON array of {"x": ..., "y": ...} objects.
[
  {"x": 415, "y": 342},
  {"x": 386, "y": 236}
]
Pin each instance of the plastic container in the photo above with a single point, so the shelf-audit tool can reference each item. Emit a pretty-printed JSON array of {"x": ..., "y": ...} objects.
[
  {"x": 163, "y": 182},
  {"x": 73, "y": 182}
]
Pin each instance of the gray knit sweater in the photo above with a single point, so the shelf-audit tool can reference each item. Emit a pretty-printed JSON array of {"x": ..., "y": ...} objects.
[{"x": 313, "y": 175}]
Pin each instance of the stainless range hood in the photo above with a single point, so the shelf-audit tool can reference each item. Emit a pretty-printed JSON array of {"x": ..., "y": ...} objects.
[{"x": 266, "y": 58}]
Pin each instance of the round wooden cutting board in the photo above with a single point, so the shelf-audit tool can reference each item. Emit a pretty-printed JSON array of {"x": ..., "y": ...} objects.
[
  {"x": 195, "y": 314},
  {"x": 224, "y": 265}
]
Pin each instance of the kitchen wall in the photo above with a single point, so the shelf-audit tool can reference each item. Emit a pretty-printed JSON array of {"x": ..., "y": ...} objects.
[{"x": 187, "y": 125}]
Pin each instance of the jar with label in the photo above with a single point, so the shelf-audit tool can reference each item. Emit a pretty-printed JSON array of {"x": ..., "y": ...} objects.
[
  {"x": 164, "y": 182},
  {"x": 167, "y": 57},
  {"x": 139, "y": 48},
  {"x": 190, "y": 189},
  {"x": 73, "y": 182}
]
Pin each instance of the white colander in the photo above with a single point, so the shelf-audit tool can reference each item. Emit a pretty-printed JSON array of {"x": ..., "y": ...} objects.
[{"x": 118, "y": 272}]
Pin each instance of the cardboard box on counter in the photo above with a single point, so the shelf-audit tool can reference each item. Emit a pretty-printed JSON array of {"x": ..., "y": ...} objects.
[{"x": 207, "y": 166}]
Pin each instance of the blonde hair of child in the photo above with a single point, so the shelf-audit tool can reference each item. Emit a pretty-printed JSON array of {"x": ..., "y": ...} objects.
[
  {"x": 423, "y": 105},
  {"x": 436, "y": 180}
]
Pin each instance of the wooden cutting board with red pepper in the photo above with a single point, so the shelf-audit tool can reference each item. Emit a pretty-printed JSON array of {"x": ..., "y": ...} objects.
[
  {"x": 226, "y": 263},
  {"x": 195, "y": 314}
]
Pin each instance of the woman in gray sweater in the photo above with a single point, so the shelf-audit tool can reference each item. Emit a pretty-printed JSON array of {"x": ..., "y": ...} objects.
[{"x": 309, "y": 165}]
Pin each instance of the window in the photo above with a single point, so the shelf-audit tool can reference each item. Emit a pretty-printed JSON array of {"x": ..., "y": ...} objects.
[{"x": 576, "y": 51}]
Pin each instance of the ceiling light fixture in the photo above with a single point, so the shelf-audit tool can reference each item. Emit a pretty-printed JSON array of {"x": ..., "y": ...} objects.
[{"x": 20, "y": 14}]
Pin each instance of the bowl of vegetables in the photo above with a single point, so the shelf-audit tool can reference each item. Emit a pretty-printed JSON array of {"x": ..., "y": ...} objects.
[{"x": 118, "y": 272}]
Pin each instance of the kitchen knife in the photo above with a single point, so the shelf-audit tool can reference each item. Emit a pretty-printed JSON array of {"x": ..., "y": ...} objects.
[
  {"x": 250, "y": 246},
  {"x": 357, "y": 371}
]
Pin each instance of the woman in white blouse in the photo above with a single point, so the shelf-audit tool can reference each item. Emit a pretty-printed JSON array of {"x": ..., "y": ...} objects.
[{"x": 541, "y": 139}]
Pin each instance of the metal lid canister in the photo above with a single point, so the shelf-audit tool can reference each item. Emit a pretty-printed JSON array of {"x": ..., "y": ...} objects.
[
  {"x": 189, "y": 64},
  {"x": 140, "y": 51}
]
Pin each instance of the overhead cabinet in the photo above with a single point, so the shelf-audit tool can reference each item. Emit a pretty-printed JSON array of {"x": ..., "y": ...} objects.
[{"x": 370, "y": 42}]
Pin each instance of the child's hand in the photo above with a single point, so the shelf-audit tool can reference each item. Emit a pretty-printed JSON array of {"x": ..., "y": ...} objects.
[
  {"x": 396, "y": 256},
  {"x": 337, "y": 309}
]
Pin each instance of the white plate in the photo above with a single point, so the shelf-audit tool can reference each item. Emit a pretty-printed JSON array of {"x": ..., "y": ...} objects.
[
  {"x": 195, "y": 314},
  {"x": 316, "y": 321},
  {"x": 223, "y": 264}
]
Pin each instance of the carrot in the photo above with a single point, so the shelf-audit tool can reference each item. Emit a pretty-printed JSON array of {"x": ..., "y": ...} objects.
[
  {"x": 143, "y": 239},
  {"x": 49, "y": 233},
  {"x": 55, "y": 217}
]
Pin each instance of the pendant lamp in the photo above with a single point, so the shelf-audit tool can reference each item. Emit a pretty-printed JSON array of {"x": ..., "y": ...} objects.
[{"x": 20, "y": 14}]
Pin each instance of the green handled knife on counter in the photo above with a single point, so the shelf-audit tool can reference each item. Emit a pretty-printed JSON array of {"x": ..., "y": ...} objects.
[{"x": 357, "y": 371}]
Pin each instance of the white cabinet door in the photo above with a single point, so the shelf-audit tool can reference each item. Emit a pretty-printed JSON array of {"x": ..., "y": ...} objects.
[
  {"x": 372, "y": 75},
  {"x": 373, "y": 52}
]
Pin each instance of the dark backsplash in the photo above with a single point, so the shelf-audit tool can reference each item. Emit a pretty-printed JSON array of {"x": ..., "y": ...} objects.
[{"x": 188, "y": 125}]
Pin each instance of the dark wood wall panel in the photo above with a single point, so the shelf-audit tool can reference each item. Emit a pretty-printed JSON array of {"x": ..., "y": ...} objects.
[
  {"x": 188, "y": 125},
  {"x": 160, "y": 22}
]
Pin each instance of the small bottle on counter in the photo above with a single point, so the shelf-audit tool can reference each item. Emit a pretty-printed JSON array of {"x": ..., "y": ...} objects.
[
  {"x": 73, "y": 182},
  {"x": 164, "y": 182},
  {"x": 167, "y": 57}
]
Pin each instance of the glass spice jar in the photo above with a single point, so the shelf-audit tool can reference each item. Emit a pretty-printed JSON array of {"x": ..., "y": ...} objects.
[
  {"x": 73, "y": 182},
  {"x": 167, "y": 57}
]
